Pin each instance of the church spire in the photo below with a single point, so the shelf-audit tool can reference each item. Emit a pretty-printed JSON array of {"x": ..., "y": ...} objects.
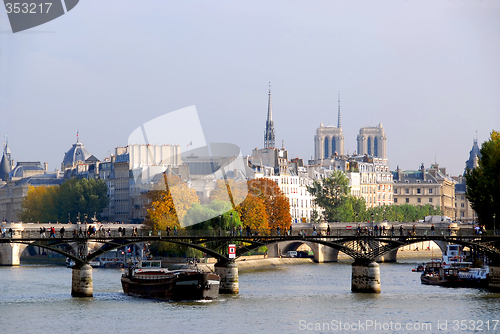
[
  {"x": 338, "y": 123},
  {"x": 269, "y": 137}
]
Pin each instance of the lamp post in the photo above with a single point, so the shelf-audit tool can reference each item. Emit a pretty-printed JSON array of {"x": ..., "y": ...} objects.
[
  {"x": 220, "y": 223},
  {"x": 231, "y": 223},
  {"x": 494, "y": 227},
  {"x": 85, "y": 221}
]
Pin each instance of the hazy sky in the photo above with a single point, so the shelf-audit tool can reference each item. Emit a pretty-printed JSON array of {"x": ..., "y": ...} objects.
[{"x": 429, "y": 71}]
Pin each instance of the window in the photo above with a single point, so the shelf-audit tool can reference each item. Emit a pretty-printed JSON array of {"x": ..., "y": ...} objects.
[
  {"x": 430, "y": 200},
  {"x": 462, "y": 205},
  {"x": 407, "y": 200},
  {"x": 395, "y": 191},
  {"x": 418, "y": 190},
  {"x": 407, "y": 191},
  {"x": 395, "y": 200},
  {"x": 419, "y": 200},
  {"x": 430, "y": 190}
]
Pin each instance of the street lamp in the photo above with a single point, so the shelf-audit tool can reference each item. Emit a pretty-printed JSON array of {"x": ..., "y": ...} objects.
[
  {"x": 220, "y": 223},
  {"x": 85, "y": 221},
  {"x": 231, "y": 223},
  {"x": 494, "y": 227}
]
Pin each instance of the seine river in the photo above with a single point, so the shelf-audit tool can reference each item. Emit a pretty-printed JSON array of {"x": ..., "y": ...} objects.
[{"x": 307, "y": 298}]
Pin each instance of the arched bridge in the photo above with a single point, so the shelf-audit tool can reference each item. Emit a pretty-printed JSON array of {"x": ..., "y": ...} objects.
[{"x": 363, "y": 248}]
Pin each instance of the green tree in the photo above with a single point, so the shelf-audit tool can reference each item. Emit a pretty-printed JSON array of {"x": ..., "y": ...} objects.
[
  {"x": 329, "y": 193},
  {"x": 483, "y": 182}
]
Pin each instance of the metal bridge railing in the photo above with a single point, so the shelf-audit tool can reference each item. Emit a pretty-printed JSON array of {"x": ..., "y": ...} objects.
[{"x": 130, "y": 231}]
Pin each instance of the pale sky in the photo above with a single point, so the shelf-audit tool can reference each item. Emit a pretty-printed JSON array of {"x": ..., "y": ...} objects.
[{"x": 429, "y": 71}]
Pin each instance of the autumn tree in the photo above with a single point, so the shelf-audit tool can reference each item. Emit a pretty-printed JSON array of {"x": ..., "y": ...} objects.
[
  {"x": 34, "y": 205},
  {"x": 253, "y": 212},
  {"x": 276, "y": 203},
  {"x": 169, "y": 203},
  {"x": 483, "y": 182}
]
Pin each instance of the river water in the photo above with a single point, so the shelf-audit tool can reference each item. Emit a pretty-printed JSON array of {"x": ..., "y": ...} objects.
[{"x": 305, "y": 298}]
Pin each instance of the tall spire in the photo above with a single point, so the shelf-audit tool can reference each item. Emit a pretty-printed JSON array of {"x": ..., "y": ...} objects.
[
  {"x": 269, "y": 137},
  {"x": 338, "y": 123}
]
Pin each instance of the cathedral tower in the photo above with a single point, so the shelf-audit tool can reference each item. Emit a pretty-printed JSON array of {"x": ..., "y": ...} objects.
[
  {"x": 329, "y": 139},
  {"x": 269, "y": 137}
]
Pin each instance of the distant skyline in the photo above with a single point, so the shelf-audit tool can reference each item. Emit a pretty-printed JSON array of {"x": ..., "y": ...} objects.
[{"x": 428, "y": 71}]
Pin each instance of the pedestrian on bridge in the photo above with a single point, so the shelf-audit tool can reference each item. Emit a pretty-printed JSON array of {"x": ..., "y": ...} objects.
[
  {"x": 62, "y": 232},
  {"x": 432, "y": 229},
  {"x": 10, "y": 232},
  {"x": 401, "y": 230},
  {"x": 392, "y": 230},
  {"x": 241, "y": 230},
  {"x": 328, "y": 229}
]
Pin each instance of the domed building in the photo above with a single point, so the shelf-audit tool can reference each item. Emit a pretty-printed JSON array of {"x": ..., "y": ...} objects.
[{"x": 76, "y": 155}]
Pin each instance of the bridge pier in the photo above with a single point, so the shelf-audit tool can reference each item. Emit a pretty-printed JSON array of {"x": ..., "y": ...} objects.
[
  {"x": 365, "y": 277},
  {"x": 81, "y": 284},
  {"x": 228, "y": 273},
  {"x": 10, "y": 253}
]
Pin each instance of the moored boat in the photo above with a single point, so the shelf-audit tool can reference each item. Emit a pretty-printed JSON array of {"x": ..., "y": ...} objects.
[
  {"x": 453, "y": 271},
  {"x": 149, "y": 280}
]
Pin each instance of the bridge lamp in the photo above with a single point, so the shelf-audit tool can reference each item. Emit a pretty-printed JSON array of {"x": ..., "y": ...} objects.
[
  {"x": 494, "y": 227},
  {"x": 231, "y": 223},
  {"x": 85, "y": 220}
]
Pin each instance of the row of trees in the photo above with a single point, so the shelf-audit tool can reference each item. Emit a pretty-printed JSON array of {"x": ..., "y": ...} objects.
[
  {"x": 258, "y": 203},
  {"x": 63, "y": 203},
  {"x": 332, "y": 194}
]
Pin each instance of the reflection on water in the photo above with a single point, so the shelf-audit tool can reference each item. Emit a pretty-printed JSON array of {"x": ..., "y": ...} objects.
[{"x": 37, "y": 299}]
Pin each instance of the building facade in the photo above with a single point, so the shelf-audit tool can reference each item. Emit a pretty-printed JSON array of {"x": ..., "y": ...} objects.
[{"x": 425, "y": 186}]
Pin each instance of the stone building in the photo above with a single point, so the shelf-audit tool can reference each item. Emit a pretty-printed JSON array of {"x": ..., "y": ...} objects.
[
  {"x": 425, "y": 186},
  {"x": 15, "y": 183}
]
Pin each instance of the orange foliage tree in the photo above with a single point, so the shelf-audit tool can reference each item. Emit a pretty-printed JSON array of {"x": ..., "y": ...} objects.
[
  {"x": 253, "y": 213},
  {"x": 168, "y": 206},
  {"x": 276, "y": 203}
]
